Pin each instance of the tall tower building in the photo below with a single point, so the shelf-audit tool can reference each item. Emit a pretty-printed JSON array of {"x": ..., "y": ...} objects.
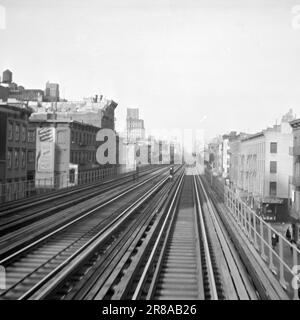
[
  {"x": 52, "y": 92},
  {"x": 7, "y": 76},
  {"x": 135, "y": 126},
  {"x": 132, "y": 113}
]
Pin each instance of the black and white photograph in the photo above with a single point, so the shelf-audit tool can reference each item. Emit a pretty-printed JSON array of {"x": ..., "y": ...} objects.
[{"x": 149, "y": 153}]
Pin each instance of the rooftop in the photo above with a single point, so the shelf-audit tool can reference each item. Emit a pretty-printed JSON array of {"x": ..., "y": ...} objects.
[
  {"x": 38, "y": 120},
  {"x": 18, "y": 106}
]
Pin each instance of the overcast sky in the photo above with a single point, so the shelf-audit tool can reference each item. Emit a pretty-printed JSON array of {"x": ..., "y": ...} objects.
[{"x": 237, "y": 63}]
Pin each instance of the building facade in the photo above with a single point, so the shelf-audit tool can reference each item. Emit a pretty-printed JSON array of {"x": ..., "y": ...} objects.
[
  {"x": 13, "y": 151},
  {"x": 7, "y": 76},
  {"x": 234, "y": 161},
  {"x": 4, "y": 94},
  {"x": 265, "y": 165},
  {"x": 52, "y": 92},
  {"x": 64, "y": 150},
  {"x": 100, "y": 113},
  {"x": 22, "y": 94},
  {"x": 134, "y": 126}
]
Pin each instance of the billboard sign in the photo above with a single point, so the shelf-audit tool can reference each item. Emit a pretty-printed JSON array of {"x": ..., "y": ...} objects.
[{"x": 45, "y": 155}]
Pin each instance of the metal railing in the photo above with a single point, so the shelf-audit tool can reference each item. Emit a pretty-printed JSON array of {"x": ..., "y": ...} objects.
[
  {"x": 26, "y": 188},
  {"x": 280, "y": 255}
]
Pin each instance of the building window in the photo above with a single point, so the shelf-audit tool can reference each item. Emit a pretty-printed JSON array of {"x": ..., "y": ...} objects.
[
  {"x": 273, "y": 147},
  {"x": 17, "y": 132},
  {"x": 273, "y": 189},
  {"x": 72, "y": 175},
  {"x": 30, "y": 156},
  {"x": 23, "y": 134},
  {"x": 16, "y": 156},
  {"x": 10, "y": 131},
  {"x": 9, "y": 159},
  {"x": 23, "y": 159},
  {"x": 273, "y": 166},
  {"x": 31, "y": 135}
]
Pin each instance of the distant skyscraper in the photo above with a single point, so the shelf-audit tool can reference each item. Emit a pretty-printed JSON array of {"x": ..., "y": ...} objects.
[
  {"x": 132, "y": 113},
  {"x": 52, "y": 92},
  {"x": 7, "y": 76},
  {"x": 135, "y": 126}
]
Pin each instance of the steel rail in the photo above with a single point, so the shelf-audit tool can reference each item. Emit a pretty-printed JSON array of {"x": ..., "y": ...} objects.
[
  {"x": 80, "y": 255},
  {"x": 46, "y": 198},
  {"x": 212, "y": 287},
  {"x": 47, "y": 236},
  {"x": 241, "y": 284},
  {"x": 171, "y": 212}
]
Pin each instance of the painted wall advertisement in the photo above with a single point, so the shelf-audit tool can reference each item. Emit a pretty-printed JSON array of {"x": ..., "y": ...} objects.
[{"x": 45, "y": 157}]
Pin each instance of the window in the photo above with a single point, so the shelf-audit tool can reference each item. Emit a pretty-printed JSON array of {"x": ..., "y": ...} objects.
[
  {"x": 273, "y": 189},
  {"x": 273, "y": 147},
  {"x": 23, "y": 134},
  {"x": 30, "y": 156},
  {"x": 273, "y": 166},
  {"x": 23, "y": 159},
  {"x": 72, "y": 175},
  {"x": 10, "y": 131},
  {"x": 31, "y": 135},
  {"x": 9, "y": 157},
  {"x": 16, "y": 159},
  {"x": 17, "y": 132}
]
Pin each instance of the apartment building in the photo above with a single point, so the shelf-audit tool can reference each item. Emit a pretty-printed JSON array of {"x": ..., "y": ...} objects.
[
  {"x": 62, "y": 147},
  {"x": 265, "y": 165},
  {"x": 13, "y": 151}
]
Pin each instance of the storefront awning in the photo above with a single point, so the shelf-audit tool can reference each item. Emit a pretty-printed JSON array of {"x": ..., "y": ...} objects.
[{"x": 272, "y": 200}]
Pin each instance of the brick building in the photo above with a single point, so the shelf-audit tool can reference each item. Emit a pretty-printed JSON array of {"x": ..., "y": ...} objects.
[
  {"x": 13, "y": 151},
  {"x": 71, "y": 148},
  {"x": 52, "y": 92},
  {"x": 22, "y": 94},
  {"x": 4, "y": 93}
]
